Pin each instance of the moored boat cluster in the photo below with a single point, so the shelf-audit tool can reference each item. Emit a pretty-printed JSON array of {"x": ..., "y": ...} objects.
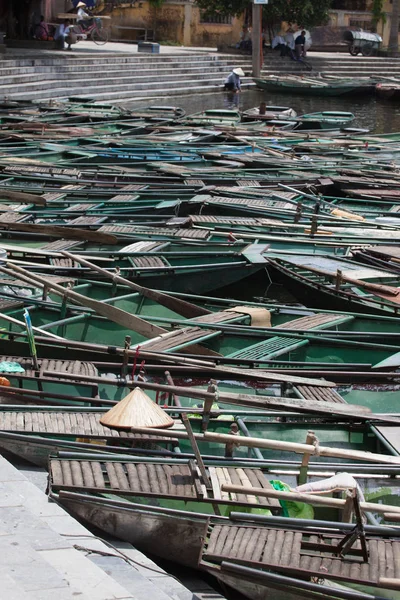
[{"x": 254, "y": 438}]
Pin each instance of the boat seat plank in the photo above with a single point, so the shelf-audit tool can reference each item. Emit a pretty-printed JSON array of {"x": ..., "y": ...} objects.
[
  {"x": 87, "y": 474},
  {"x": 147, "y": 262},
  {"x": 160, "y": 480},
  {"x": 70, "y": 423},
  {"x": 256, "y": 203},
  {"x": 66, "y": 263},
  {"x": 292, "y": 552},
  {"x": 132, "y": 187},
  {"x": 270, "y": 348},
  {"x": 319, "y": 394},
  {"x": 240, "y": 476},
  {"x": 13, "y": 217},
  {"x": 67, "y": 473},
  {"x": 59, "y": 245},
  {"x": 81, "y": 207},
  {"x": 317, "y": 321},
  {"x": 87, "y": 221},
  {"x": 121, "y": 476},
  {"x": 37, "y": 170},
  {"x": 243, "y": 221},
  {"x": 98, "y": 476},
  {"x": 56, "y": 472},
  {"x": 179, "y": 338},
  {"x": 77, "y": 475},
  {"x": 54, "y": 196},
  {"x": 220, "y": 317}
]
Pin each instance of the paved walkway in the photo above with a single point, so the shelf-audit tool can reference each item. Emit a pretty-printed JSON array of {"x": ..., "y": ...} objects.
[
  {"x": 47, "y": 555},
  {"x": 89, "y": 47}
]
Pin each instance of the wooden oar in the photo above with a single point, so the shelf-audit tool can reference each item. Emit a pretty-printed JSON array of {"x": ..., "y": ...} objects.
[
  {"x": 69, "y": 233},
  {"x": 112, "y": 313},
  {"x": 121, "y": 317},
  {"x": 22, "y": 197},
  {"x": 182, "y": 307}
]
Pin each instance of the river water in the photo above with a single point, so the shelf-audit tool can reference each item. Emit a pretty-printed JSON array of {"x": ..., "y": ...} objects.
[{"x": 379, "y": 116}]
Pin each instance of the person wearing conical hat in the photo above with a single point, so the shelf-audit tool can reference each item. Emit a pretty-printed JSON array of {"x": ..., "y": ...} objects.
[
  {"x": 232, "y": 82},
  {"x": 84, "y": 18}
]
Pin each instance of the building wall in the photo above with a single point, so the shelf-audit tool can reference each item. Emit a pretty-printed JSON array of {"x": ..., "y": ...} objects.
[
  {"x": 362, "y": 19},
  {"x": 175, "y": 21}
]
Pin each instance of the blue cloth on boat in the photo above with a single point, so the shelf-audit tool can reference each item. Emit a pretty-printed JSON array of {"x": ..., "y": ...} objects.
[{"x": 10, "y": 367}]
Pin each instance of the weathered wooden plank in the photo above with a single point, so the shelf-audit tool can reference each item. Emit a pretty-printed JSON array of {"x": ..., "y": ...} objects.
[
  {"x": 77, "y": 478},
  {"x": 112, "y": 475},
  {"x": 98, "y": 475},
  {"x": 87, "y": 474}
]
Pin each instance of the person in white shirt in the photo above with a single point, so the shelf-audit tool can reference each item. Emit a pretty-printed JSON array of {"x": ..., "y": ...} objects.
[
  {"x": 278, "y": 43},
  {"x": 62, "y": 35},
  {"x": 289, "y": 39}
]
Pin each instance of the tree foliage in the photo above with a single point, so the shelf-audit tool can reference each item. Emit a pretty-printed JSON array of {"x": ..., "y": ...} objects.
[
  {"x": 378, "y": 14},
  {"x": 306, "y": 13}
]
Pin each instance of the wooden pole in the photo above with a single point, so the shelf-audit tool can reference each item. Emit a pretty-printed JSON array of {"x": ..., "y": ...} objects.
[
  {"x": 391, "y": 516},
  {"x": 301, "y": 448},
  {"x": 182, "y": 307},
  {"x": 306, "y": 498},
  {"x": 48, "y": 334},
  {"x": 69, "y": 233},
  {"x": 121, "y": 317},
  {"x": 22, "y": 197},
  {"x": 276, "y": 445},
  {"x": 389, "y": 582},
  {"x": 256, "y": 39},
  {"x": 311, "y": 438}
]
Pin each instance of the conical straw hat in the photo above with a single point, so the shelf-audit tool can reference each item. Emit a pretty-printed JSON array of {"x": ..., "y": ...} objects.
[{"x": 136, "y": 410}]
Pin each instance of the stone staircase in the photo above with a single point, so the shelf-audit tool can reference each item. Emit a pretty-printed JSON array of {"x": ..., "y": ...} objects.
[
  {"x": 339, "y": 65},
  {"x": 116, "y": 77},
  {"x": 47, "y": 554}
]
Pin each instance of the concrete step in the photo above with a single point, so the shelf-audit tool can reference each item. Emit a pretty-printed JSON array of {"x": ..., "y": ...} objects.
[
  {"x": 119, "y": 59},
  {"x": 114, "y": 95},
  {"x": 37, "y": 562},
  {"x": 108, "y": 66},
  {"x": 142, "y": 578},
  {"x": 109, "y": 76},
  {"x": 130, "y": 75},
  {"x": 117, "y": 84}
]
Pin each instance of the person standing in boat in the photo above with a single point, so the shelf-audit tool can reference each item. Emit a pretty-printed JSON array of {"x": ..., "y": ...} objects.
[{"x": 232, "y": 82}]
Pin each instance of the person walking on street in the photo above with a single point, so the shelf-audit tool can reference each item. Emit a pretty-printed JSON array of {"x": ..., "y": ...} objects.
[{"x": 232, "y": 82}]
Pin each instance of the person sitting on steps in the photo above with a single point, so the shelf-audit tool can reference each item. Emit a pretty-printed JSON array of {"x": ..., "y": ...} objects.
[
  {"x": 63, "y": 34},
  {"x": 300, "y": 45}
]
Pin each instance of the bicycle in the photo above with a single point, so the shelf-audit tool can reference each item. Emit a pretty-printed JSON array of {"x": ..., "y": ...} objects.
[{"x": 96, "y": 31}]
